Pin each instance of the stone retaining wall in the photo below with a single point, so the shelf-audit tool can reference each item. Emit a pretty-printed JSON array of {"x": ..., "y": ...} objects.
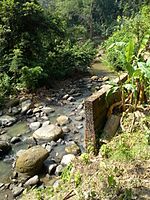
[{"x": 96, "y": 108}]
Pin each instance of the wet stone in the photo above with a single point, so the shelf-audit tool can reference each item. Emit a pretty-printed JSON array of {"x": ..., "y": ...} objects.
[
  {"x": 17, "y": 191},
  {"x": 79, "y": 118},
  {"x": 32, "y": 181},
  {"x": 34, "y": 126},
  {"x": 58, "y": 170},
  {"x": 15, "y": 140}
]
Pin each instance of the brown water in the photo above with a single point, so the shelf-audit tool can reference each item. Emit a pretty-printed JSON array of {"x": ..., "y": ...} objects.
[{"x": 100, "y": 69}]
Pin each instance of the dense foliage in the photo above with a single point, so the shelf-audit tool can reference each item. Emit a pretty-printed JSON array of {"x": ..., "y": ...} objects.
[
  {"x": 128, "y": 49},
  {"x": 34, "y": 46},
  {"x": 41, "y": 40}
]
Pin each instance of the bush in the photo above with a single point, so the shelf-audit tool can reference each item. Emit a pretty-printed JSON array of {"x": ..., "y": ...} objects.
[{"x": 68, "y": 58}]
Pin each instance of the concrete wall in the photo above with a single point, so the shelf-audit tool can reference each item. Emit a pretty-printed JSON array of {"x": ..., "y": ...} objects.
[{"x": 96, "y": 108}]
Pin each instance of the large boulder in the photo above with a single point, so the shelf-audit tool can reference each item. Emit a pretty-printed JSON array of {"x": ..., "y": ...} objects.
[
  {"x": 7, "y": 120},
  {"x": 49, "y": 133},
  {"x": 5, "y": 147},
  {"x": 31, "y": 160}
]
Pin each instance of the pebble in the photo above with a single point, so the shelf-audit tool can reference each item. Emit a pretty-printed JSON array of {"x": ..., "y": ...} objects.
[
  {"x": 1, "y": 185},
  {"x": 57, "y": 184},
  {"x": 67, "y": 159},
  {"x": 17, "y": 191},
  {"x": 34, "y": 126},
  {"x": 79, "y": 118},
  {"x": 32, "y": 181},
  {"x": 65, "y": 129},
  {"x": 80, "y": 107},
  {"x": 58, "y": 170},
  {"x": 48, "y": 110},
  {"x": 15, "y": 140},
  {"x": 94, "y": 78},
  {"x": 51, "y": 168},
  {"x": 71, "y": 99},
  {"x": 105, "y": 78}
]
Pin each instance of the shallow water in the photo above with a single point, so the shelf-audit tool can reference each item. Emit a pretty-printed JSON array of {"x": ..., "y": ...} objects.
[
  {"x": 21, "y": 128},
  {"x": 100, "y": 69}
]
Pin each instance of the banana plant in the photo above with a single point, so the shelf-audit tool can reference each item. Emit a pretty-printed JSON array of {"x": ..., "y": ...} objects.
[{"x": 137, "y": 87}]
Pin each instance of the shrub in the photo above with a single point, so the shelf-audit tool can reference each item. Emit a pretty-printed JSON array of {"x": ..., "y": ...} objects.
[{"x": 116, "y": 46}]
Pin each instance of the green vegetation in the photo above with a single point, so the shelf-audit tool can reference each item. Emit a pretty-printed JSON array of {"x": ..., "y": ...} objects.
[
  {"x": 45, "y": 40},
  {"x": 34, "y": 47},
  {"x": 48, "y": 40},
  {"x": 114, "y": 174},
  {"x": 120, "y": 148}
]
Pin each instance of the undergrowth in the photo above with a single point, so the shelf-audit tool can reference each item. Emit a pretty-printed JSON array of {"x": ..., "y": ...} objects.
[{"x": 115, "y": 174}]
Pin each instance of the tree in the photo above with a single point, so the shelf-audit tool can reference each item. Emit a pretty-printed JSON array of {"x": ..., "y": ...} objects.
[{"x": 25, "y": 30}]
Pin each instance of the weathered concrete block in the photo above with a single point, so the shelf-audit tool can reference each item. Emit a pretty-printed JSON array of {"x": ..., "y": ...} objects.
[{"x": 96, "y": 108}]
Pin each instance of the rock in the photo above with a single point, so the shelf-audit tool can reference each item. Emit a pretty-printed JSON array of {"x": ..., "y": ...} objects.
[
  {"x": 29, "y": 112},
  {"x": 37, "y": 115},
  {"x": 17, "y": 191},
  {"x": 48, "y": 110},
  {"x": 82, "y": 113},
  {"x": 36, "y": 110},
  {"x": 50, "y": 166},
  {"x": 45, "y": 118},
  {"x": 100, "y": 79},
  {"x": 56, "y": 185},
  {"x": 59, "y": 141},
  {"x": 5, "y": 147},
  {"x": 15, "y": 140},
  {"x": 25, "y": 105},
  {"x": 31, "y": 160},
  {"x": 65, "y": 129},
  {"x": 31, "y": 120},
  {"x": 15, "y": 110},
  {"x": 7, "y": 120},
  {"x": 111, "y": 126},
  {"x": 79, "y": 118},
  {"x": 72, "y": 148},
  {"x": 105, "y": 78},
  {"x": 89, "y": 86},
  {"x": 32, "y": 181},
  {"x": 58, "y": 170},
  {"x": 62, "y": 120},
  {"x": 94, "y": 78},
  {"x": 71, "y": 99},
  {"x": 48, "y": 147},
  {"x": 34, "y": 126},
  {"x": 1, "y": 185},
  {"x": 97, "y": 88},
  {"x": 67, "y": 159},
  {"x": 46, "y": 123},
  {"x": 80, "y": 126},
  {"x": 80, "y": 107},
  {"x": 14, "y": 174},
  {"x": 50, "y": 132},
  {"x": 65, "y": 97}
]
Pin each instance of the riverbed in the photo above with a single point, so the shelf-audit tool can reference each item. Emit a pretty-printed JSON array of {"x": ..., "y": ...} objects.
[{"x": 84, "y": 87}]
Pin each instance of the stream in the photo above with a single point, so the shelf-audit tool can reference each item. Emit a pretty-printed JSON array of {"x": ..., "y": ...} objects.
[{"x": 85, "y": 87}]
